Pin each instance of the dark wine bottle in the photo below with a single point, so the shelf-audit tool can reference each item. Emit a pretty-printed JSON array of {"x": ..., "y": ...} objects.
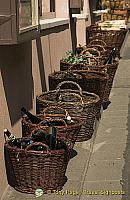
[
  {"x": 39, "y": 136},
  {"x": 61, "y": 145},
  {"x": 12, "y": 139},
  {"x": 53, "y": 123},
  {"x": 109, "y": 59},
  {"x": 38, "y": 148},
  {"x": 79, "y": 50},
  {"x": 25, "y": 142},
  {"x": 51, "y": 139},
  {"x": 34, "y": 119}
]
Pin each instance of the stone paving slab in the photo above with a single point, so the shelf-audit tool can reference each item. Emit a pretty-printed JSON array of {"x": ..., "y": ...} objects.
[
  {"x": 117, "y": 107},
  {"x": 104, "y": 170},
  {"x": 120, "y": 121},
  {"x": 124, "y": 83},
  {"x": 119, "y": 95},
  {"x": 112, "y": 138}
]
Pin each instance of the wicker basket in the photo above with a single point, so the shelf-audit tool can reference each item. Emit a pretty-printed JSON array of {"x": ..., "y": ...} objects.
[
  {"x": 90, "y": 59},
  {"x": 67, "y": 132},
  {"x": 90, "y": 81},
  {"x": 79, "y": 104},
  {"x": 94, "y": 52},
  {"x": 100, "y": 54},
  {"x": 98, "y": 42},
  {"x": 112, "y": 38},
  {"x": 109, "y": 69},
  {"x": 102, "y": 47},
  {"x": 29, "y": 170}
]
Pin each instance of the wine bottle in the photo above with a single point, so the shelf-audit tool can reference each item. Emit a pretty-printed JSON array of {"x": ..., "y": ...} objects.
[
  {"x": 34, "y": 119},
  {"x": 38, "y": 148},
  {"x": 51, "y": 139},
  {"x": 61, "y": 145},
  {"x": 79, "y": 49},
  {"x": 39, "y": 136},
  {"x": 53, "y": 123},
  {"x": 109, "y": 59},
  {"x": 12, "y": 139},
  {"x": 25, "y": 142}
]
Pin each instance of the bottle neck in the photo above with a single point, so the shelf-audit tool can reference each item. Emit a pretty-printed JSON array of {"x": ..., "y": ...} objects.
[
  {"x": 10, "y": 136},
  {"x": 110, "y": 57},
  {"x": 34, "y": 119},
  {"x": 27, "y": 112}
]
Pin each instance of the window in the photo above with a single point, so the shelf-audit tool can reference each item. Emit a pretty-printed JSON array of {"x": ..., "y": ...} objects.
[
  {"x": 47, "y": 9},
  {"x": 28, "y": 13},
  {"x": 52, "y": 5},
  {"x": 76, "y": 6}
]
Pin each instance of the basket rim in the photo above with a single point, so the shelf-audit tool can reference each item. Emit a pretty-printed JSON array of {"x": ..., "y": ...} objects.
[
  {"x": 39, "y": 97},
  {"x": 69, "y": 126},
  {"x": 30, "y": 152},
  {"x": 71, "y": 64},
  {"x": 52, "y": 75}
]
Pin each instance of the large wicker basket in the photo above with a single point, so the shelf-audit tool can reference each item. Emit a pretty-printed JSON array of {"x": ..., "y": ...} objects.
[
  {"x": 79, "y": 104},
  {"x": 109, "y": 69},
  {"x": 29, "y": 170},
  {"x": 67, "y": 132},
  {"x": 112, "y": 38}
]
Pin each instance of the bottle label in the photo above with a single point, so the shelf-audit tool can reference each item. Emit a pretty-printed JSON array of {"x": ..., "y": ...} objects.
[{"x": 12, "y": 137}]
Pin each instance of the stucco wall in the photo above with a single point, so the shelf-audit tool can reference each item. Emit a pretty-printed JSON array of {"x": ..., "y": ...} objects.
[{"x": 24, "y": 73}]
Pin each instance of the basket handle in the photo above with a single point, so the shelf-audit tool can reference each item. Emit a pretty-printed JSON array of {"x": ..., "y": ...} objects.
[
  {"x": 69, "y": 71},
  {"x": 102, "y": 43},
  {"x": 91, "y": 57},
  {"x": 97, "y": 45},
  {"x": 53, "y": 120},
  {"x": 120, "y": 32},
  {"x": 68, "y": 82},
  {"x": 89, "y": 50},
  {"x": 28, "y": 148},
  {"x": 77, "y": 67},
  {"x": 74, "y": 94},
  {"x": 56, "y": 108}
]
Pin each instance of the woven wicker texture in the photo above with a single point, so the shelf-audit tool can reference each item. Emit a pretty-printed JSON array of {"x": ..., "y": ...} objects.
[
  {"x": 67, "y": 132},
  {"x": 90, "y": 81},
  {"x": 109, "y": 69},
  {"x": 112, "y": 38},
  {"x": 80, "y": 104},
  {"x": 37, "y": 169}
]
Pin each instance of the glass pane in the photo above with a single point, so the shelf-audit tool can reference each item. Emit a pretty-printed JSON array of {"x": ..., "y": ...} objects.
[{"x": 25, "y": 13}]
